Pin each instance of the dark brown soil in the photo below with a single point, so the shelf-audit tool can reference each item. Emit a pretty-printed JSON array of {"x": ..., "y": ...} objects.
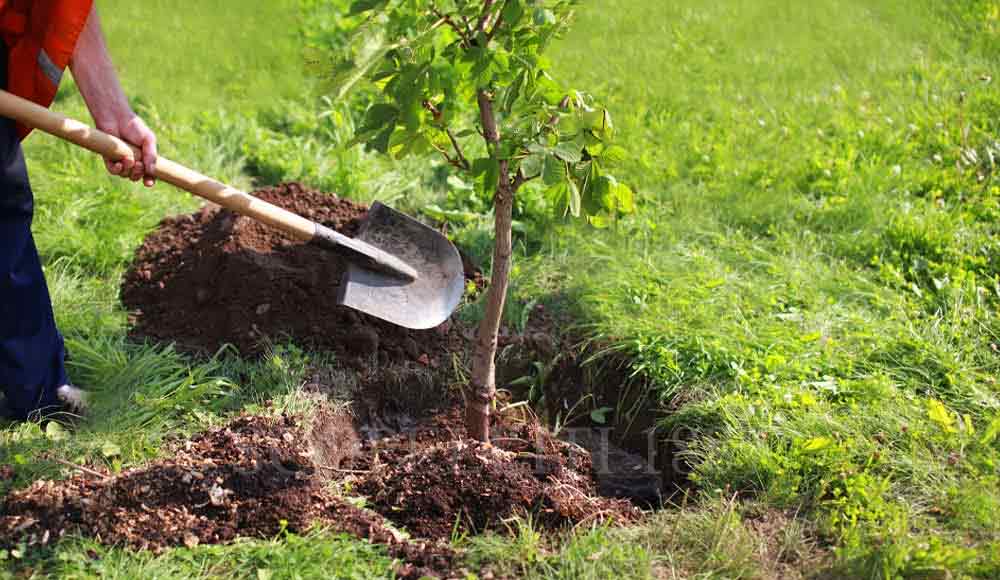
[
  {"x": 259, "y": 476},
  {"x": 433, "y": 481},
  {"x": 253, "y": 478},
  {"x": 213, "y": 277}
]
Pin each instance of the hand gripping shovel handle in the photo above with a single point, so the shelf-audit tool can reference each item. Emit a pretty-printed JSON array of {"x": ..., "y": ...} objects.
[{"x": 53, "y": 123}]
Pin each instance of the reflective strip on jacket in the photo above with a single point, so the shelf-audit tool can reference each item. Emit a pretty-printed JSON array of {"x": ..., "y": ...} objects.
[{"x": 40, "y": 36}]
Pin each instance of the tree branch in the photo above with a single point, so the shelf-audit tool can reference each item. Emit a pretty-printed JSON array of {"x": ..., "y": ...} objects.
[
  {"x": 498, "y": 23},
  {"x": 520, "y": 180},
  {"x": 490, "y": 131},
  {"x": 462, "y": 32},
  {"x": 458, "y": 150},
  {"x": 443, "y": 154},
  {"x": 87, "y": 470},
  {"x": 485, "y": 17},
  {"x": 459, "y": 160}
]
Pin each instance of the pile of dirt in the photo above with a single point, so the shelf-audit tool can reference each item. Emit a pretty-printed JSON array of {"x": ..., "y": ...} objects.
[
  {"x": 431, "y": 479},
  {"x": 214, "y": 277},
  {"x": 258, "y": 476},
  {"x": 253, "y": 478}
]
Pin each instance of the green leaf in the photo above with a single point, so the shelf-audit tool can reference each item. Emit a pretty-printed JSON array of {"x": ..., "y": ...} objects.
[
  {"x": 605, "y": 187},
  {"x": 625, "y": 198},
  {"x": 532, "y": 165},
  {"x": 614, "y": 154},
  {"x": 380, "y": 113},
  {"x": 378, "y": 116},
  {"x": 569, "y": 151},
  {"x": 381, "y": 141},
  {"x": 553, "y": 171},
  {"x": 514, "y": 91},
  {"x": 559, "y": 194},
  {"x": 937, "y": 412},
  {"x": 55, "y": 431},
  {"x": 574, "y": 198},
  {"x": 991, "y": 431},
  {"x": 538, "y": 148},
  {"x": 482, "y": 66},
  {"x": 600, "y": 416},
  {"x": 593, "y": 119},
  {"x": 480, "y": 166},
  {"x": 371, "y": 53},
  {"x": 543, "y": 16},
  {"x": 450, "y": 215},
  {"x": 816, "y": 444},
  {"x": 109, "y": 449},
  {"x": 548, "y": 89},
  {"x": 599, "y": 221},
  {"x": 359, "y": 6},
  {"x": 411, "y": 114},
  {"x": 512, "y": 13},
  {"x": 501, "y": 62}
]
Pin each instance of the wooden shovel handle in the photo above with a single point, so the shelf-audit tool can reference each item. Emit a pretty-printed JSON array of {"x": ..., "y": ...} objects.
[{"x": 53, "y": 123}]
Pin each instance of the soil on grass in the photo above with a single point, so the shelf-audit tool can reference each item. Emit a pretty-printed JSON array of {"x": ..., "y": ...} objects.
[
  {"x": 253, "y": 478},
  {"x": 258, "y": 476},
  {"x": 213, "y": 277}
]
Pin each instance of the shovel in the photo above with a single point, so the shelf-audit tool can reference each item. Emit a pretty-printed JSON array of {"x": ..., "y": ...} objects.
[{"x": 399, "y": 269}]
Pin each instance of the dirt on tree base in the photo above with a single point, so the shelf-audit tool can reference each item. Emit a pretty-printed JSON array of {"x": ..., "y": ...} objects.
[
  {"x": 214, "y": 277},
  {"x": 431, "y": 479},
  {"x": 252, "y": 478}
]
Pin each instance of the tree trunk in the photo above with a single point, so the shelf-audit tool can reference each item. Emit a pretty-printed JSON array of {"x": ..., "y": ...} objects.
[{"x": 481, "y": 392}]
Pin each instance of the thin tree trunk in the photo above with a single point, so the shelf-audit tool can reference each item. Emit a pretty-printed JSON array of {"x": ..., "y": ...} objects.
[{"x": 481, "y": 392}]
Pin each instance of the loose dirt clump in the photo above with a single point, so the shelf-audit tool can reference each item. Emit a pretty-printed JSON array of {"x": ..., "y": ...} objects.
[
  {"x": 253, "y": 478},
  {"x": 213, "y": 277},
  {"x": 431, "y": 479},
  {"x": 466, "y": 483}
]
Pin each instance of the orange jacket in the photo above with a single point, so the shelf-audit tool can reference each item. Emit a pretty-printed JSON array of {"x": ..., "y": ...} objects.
[{"x": 40, "y": 36}]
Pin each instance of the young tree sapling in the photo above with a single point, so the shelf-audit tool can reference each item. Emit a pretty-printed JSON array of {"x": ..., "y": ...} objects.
[{"x": 461, "y": 76}]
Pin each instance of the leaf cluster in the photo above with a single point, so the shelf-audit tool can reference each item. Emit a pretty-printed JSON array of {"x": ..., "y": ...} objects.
[{"x": 468, "y": 80}]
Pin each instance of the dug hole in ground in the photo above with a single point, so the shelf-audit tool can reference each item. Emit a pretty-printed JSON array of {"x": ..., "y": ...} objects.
[{"x": 389, "y": 427}]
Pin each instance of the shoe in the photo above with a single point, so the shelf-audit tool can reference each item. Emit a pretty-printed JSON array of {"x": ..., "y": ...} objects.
[{"x": 74, "y": 398}]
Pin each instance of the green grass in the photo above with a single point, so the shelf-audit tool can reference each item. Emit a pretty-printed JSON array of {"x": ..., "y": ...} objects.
[
  {"x": 811, "y": 288},
  {"x": 318, "y": 554},
  {"x": 808, "y": 293}
]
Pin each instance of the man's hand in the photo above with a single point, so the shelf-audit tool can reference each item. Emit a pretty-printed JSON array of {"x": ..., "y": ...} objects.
[
  {"x": 133, "y": 130},
  {"x": 98, "y": 82}
]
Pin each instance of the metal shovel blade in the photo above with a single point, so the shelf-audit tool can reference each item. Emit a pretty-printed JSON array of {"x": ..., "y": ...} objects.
[{"x": 422, "y": 303}]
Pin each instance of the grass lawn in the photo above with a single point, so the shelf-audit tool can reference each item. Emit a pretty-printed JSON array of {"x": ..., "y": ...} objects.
[{"x": 807, "y": 296}]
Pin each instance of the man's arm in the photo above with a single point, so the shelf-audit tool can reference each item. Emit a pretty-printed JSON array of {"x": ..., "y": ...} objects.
[{"x": 98, "y": 82}]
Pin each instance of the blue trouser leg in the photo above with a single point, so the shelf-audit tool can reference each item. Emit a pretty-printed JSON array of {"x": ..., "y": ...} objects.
[{"x": 31, "y": 348}]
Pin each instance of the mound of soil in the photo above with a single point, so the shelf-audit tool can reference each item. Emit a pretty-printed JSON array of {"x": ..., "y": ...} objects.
[
  {"x": 214, "y": 277},
  {"x": 476, "y": 484},
  {"x": 431, "y": 479},
  {"x": 252, "y": 478},
  {"x": 258, "y": 476}
]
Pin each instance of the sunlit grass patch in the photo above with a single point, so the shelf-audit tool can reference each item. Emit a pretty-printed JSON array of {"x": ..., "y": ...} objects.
[
  {"x": 317, "y": 554},
  {"x": 587, "y": 553}
]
